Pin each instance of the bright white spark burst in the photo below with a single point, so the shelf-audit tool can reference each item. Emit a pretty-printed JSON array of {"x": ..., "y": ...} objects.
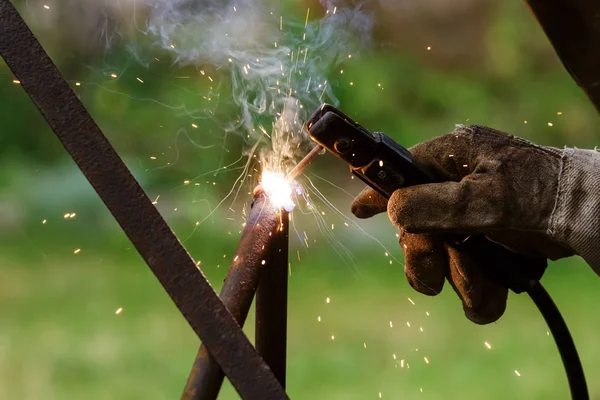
[
  {"x": 278, "y": 189},
  {"x": 274, "y": 184}
]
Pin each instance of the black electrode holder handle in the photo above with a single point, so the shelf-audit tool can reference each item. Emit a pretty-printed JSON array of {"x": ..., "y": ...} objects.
[{"x": 386, "y": 166}]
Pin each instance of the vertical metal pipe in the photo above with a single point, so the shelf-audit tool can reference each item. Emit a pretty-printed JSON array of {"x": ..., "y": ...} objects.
[
  {"x": 271, "y": 306},
  {"x": 259, "y": 240}
]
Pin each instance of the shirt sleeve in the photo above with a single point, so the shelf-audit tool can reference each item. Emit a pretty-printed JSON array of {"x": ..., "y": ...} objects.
[{"x": 576, "y": 216}]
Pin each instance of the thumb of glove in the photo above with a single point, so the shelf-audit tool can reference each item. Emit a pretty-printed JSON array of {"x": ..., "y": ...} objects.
[{"x": 368, "y": 203}]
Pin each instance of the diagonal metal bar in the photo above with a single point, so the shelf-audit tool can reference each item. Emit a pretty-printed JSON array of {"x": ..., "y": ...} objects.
[{"x": 133, "y": 210}]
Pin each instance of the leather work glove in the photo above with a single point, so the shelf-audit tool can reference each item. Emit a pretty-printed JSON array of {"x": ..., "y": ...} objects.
[{"x": 513, "y": 202}]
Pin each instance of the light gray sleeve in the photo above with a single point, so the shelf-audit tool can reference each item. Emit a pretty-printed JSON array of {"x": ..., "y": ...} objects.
[{"x": 576, "y": 217}]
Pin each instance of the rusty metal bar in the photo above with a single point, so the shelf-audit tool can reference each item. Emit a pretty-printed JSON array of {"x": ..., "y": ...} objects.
[
  {"x": 133, "y": 210},
  {"x": 271, "y": 306},
  {"x": 261, "y": 233},
  {"x": 573, "y": 28}
]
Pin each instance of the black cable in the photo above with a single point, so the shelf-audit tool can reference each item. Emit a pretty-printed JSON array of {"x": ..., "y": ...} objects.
[{"x": 563, "y": 339}]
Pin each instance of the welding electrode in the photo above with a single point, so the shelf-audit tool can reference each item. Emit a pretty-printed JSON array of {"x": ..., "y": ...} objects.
[{"x": 304, "y": 163}]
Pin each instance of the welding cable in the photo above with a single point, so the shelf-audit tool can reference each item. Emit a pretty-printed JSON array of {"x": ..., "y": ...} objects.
[{"x": 563, "y": 339}]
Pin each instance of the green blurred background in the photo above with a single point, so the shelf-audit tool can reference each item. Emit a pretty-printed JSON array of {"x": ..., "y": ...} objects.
[{"x": 62, "y": 278}]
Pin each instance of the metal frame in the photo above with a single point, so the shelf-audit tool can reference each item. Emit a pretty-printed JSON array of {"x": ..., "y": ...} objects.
[
  {"x": 225, "y": 349},
  {"x": 121, "y": 193}
]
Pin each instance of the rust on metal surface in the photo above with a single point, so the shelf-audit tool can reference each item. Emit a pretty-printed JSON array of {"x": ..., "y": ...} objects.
[
  {"x": 133, "y": 210},
  {"x": 261, "y": 234},
  {"x": 271, "y": 305}
]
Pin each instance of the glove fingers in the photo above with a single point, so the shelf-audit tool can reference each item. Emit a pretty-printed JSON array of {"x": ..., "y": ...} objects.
[
  {"x": 368, "y": 203},
  {"x": 483, "y": 297},
  {"x": 474, "y": 205},
  {"x": 425, "y": 262}
]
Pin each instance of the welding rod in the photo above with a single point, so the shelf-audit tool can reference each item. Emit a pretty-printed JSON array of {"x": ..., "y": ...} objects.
[{"x": 304, "y": 163}]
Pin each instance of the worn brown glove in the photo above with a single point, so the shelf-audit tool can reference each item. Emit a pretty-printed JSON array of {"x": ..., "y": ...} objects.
[{"x": 496, "y": 190}]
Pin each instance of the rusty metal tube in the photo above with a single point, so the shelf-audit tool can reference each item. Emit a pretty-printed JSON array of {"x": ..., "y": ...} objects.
[
  {"x": 271, "y": 305},
  {"x": 260, "y": 235}
]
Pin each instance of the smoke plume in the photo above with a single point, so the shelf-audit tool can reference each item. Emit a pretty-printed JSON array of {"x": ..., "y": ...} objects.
[{"x": 277, "y": 64}]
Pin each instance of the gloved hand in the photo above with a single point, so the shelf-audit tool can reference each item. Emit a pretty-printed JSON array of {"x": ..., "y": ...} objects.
[{"x": 504, "y": 191}]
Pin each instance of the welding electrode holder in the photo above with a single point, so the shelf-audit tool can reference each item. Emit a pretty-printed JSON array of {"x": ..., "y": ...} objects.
[
  {"x": 386, "y": 166},
  {"x": 374, "y": 158}
]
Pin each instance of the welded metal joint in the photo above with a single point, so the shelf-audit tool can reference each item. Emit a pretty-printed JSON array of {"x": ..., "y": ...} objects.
[{"x": 263, "y": 243}]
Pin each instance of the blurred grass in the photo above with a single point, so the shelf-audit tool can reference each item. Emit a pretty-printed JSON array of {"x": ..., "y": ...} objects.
[{"x": 61, "y": 339}]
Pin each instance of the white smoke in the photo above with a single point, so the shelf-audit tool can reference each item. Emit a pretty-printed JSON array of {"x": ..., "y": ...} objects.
[{"x": 277, "y": 63}]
